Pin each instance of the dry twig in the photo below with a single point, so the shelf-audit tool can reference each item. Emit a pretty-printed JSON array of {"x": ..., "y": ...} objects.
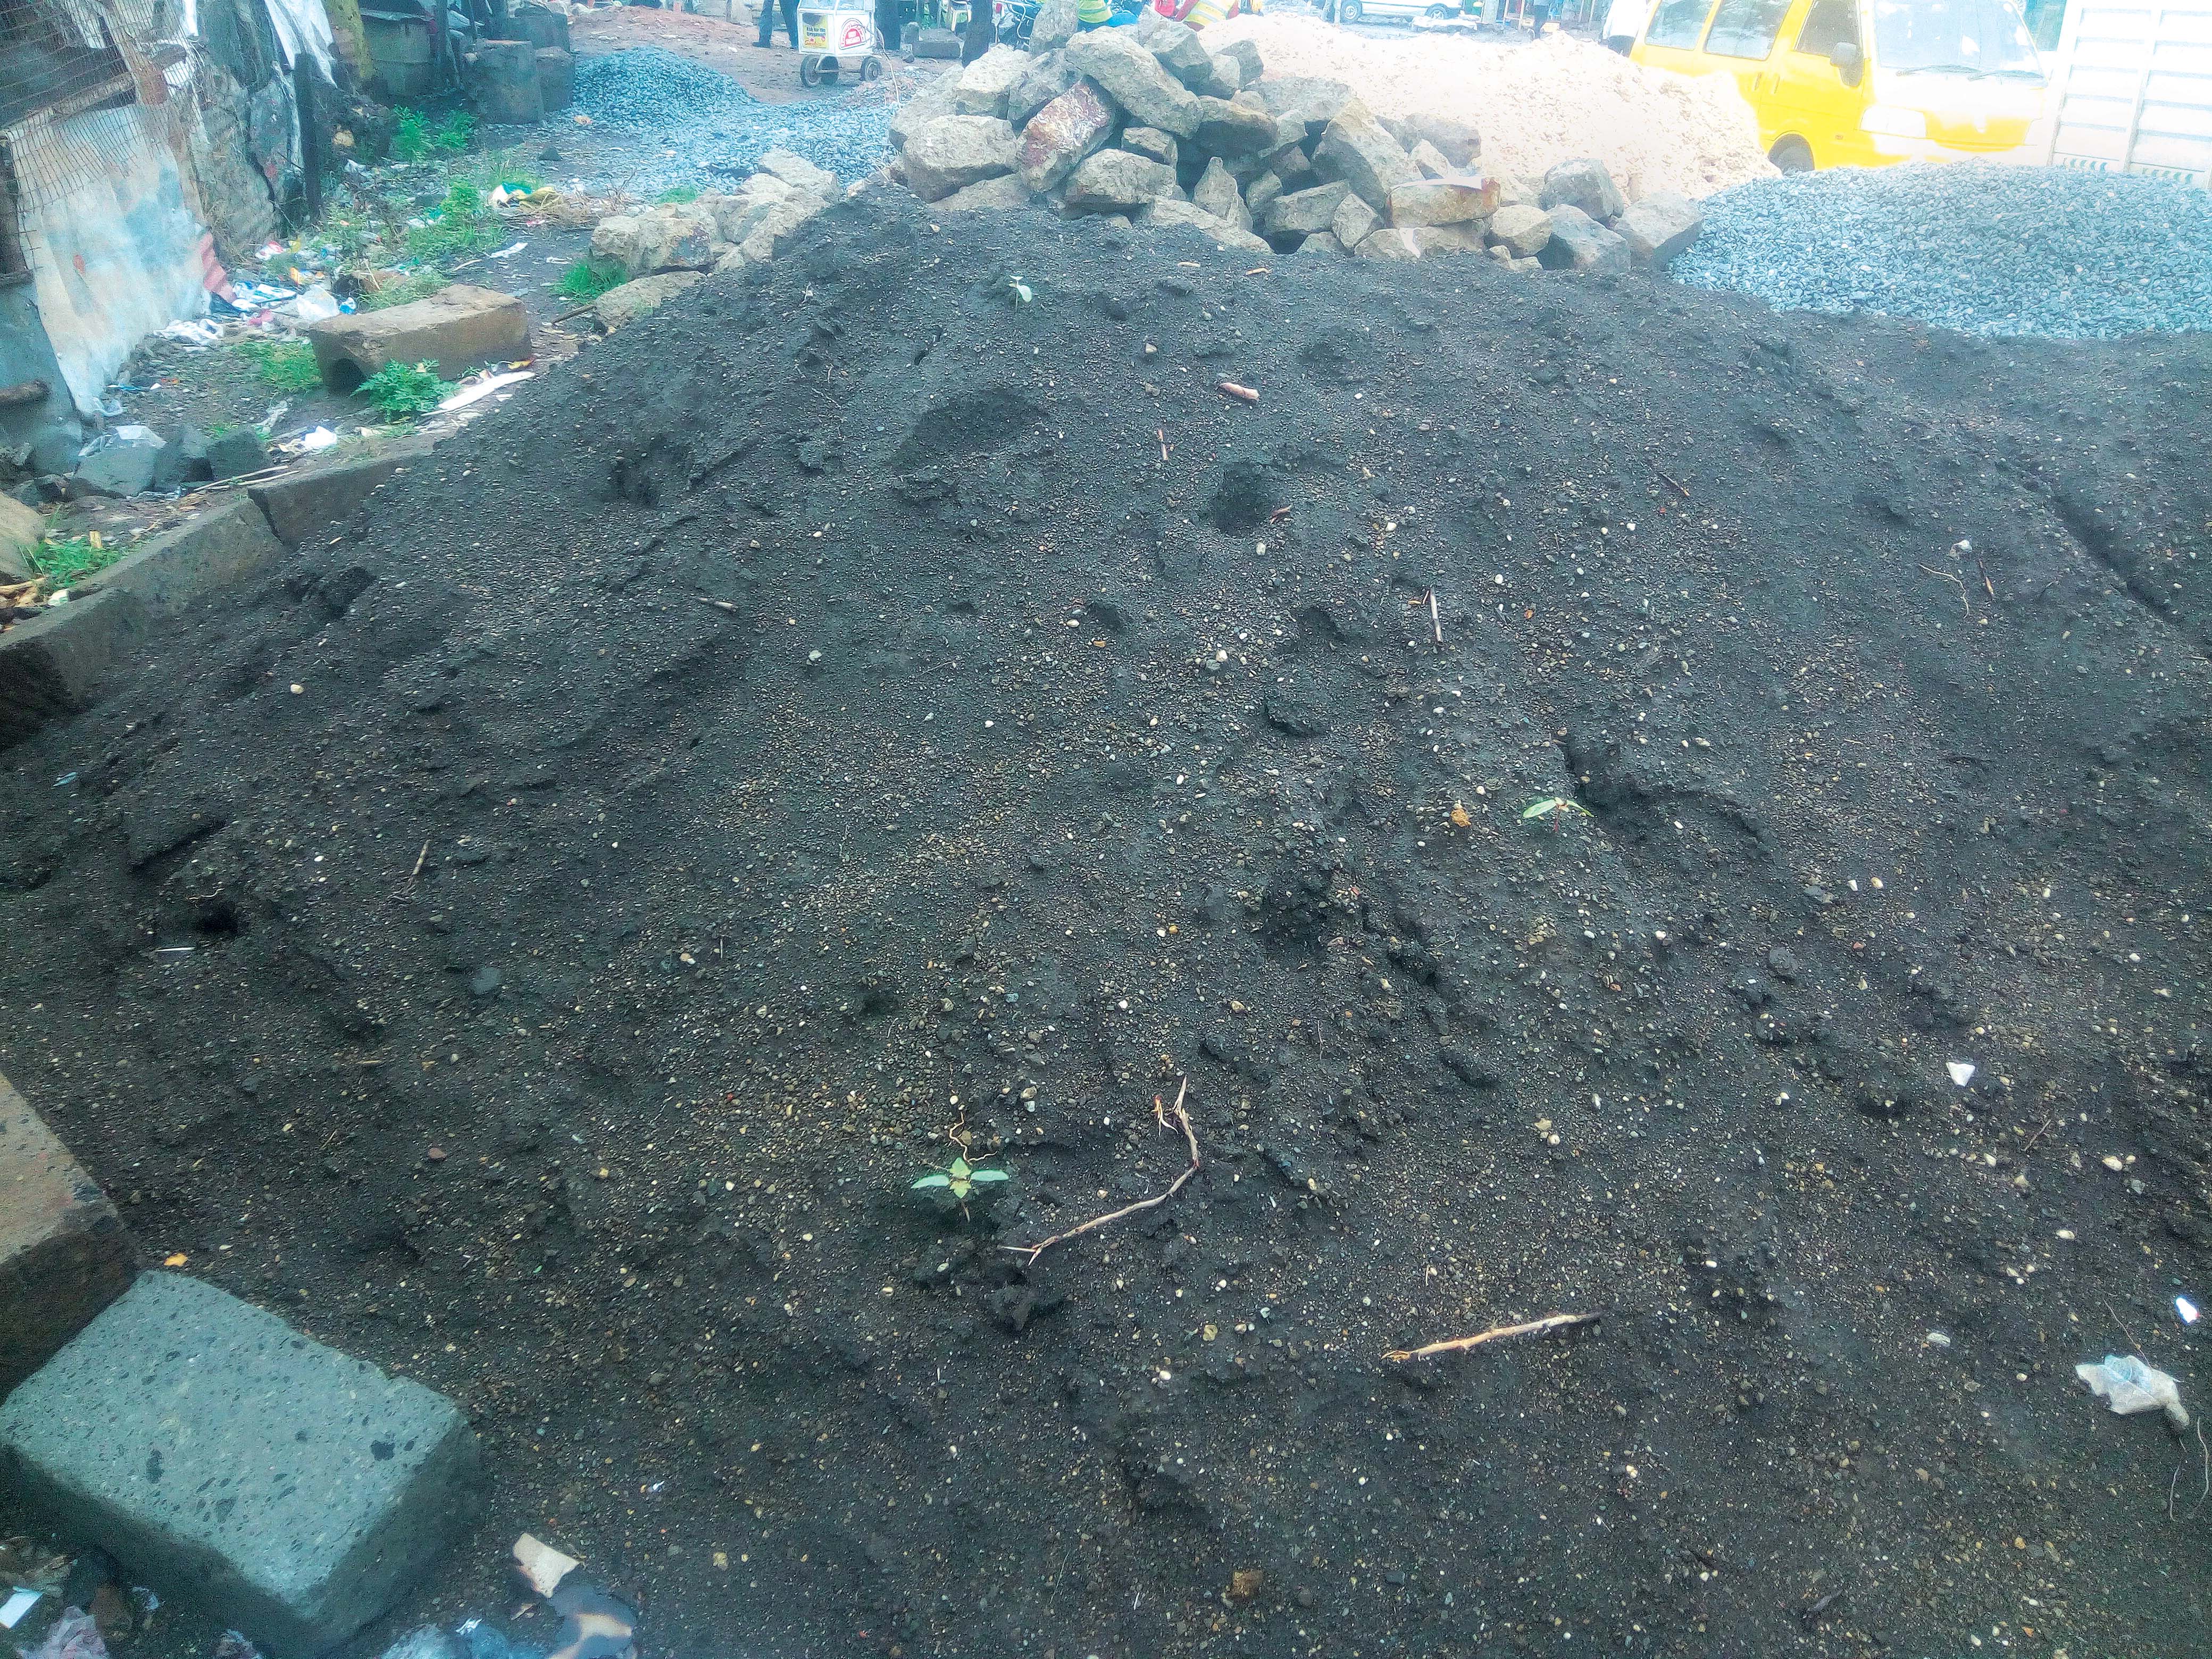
[
  {"x": 1435, "y": 620},
  {"x": 1160, "y": 1114},
  {"x": 1676, "y": 482},
  {"x": 1548, "y": 1323},
  {"x": 1948, "y": 577},
  {"x": 1243, "y": 392}
]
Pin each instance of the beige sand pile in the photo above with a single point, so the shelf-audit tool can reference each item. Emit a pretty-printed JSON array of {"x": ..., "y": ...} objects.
[{"x": 1535, "y": 105}]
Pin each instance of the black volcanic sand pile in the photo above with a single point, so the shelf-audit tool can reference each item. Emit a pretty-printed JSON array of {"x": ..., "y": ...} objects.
[{"x": 824, "y": 717}]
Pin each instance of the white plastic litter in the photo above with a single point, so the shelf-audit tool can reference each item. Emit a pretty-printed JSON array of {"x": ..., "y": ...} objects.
[
  {"x": 2185, "y": 1310},
  {"x": 203, "y": 332},
  {"x": 317, "y": 304},
  {"x": 21, "y": 1602},
  {"x": 2131, "y": 1386},
  {"x": 1961, "y": 1071},
  {"x": 320, "y": 439},
  {"x": 509, "y": 251},
  {"x": 481, "y": 389}
]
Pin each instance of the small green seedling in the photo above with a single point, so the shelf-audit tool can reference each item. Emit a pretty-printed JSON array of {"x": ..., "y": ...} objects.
[
  {"x": 1555, "y": 807},
  {"x": 961, "y": 1177},
  {"x": 1020, "y": 290}
]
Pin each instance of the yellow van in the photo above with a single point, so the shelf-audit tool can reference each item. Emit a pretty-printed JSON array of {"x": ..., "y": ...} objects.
[{"x": 1863, "y": 82}]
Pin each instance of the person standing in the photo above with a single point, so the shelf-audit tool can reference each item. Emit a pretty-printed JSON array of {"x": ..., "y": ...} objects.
[
  {"x": 1624, "y": 22},
  {"x": 768, "y": 11}
]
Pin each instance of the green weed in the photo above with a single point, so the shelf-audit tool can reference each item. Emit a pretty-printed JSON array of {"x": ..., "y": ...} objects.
[
  {"x": 64, "y": 564},
  {"x": 287, "y": 365},
  {"x": 582, "y": 283},
  {"x": 415, "y": 285},
  {"x": 404, "y": 390},
  {"x": 462, "y": 227},
  {"x": 414, "y": 139},
  {"x": 680, "y": 194}
]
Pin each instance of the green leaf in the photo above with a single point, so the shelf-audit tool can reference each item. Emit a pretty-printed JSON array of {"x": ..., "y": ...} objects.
[
  {"x": 957, "y": 1168},
  {"x": 935, "y": 1178},
  {"x": 982, "y": 1175},
  {"x": 1537, "y": 809}
]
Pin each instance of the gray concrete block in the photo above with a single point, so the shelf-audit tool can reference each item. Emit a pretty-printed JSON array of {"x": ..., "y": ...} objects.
[
  {"x": 222, "y": 545},
  {"x": 50, "y": 665},
  {"x": 235, "y": 1465},
  {"x": 314, "y": 501},
  {"x": 63, "y": 1255}
]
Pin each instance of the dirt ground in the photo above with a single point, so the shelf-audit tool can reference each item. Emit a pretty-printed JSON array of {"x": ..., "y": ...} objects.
[
  {"x": 771, "y": 75},
  {"x": 860, "y": 702}
]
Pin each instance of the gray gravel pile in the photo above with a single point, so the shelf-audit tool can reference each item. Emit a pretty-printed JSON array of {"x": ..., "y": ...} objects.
[
  {"x": 717, "y": 129},
  {"x": 1982, "y": 249}
]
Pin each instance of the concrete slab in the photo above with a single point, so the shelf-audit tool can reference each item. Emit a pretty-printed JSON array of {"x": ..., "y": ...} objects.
[
  {"x": 63, "y": 1255},
  {"x": 457, "y": 328},
  {"x": 51, "y": 665},
  {"x": 233, "y": 1464},
  {"x": 314, "y": 501},
  {"x": 226, "y": 542}
]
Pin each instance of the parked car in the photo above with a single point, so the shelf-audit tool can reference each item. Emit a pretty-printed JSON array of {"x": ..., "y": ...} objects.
[
  {"x": 1864, "y": 82},
  {"x": 1387, "y": 12}
]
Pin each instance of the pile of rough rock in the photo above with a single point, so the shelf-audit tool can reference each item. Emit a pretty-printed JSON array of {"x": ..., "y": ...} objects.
[
  {"x": 1145, "y": 123},
  {"x": 662, "y": 249}
]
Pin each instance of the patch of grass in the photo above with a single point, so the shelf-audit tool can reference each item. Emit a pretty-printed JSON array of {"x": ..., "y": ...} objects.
[
  {"x": 70, "y": 561},
  {"x": 404, "y": 390},
  {"x": 462, "y": 227},
  {"x": 415, "y": 285},
  {"x": 287, "y": 365},
  {"x": 584, "y": 284},
  {"x": 676, "y": 197},
  {"x": 414, "y": 139}
]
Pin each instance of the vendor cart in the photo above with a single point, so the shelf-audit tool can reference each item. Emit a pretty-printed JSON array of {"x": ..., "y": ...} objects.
[{"x": 836, "y": 41}]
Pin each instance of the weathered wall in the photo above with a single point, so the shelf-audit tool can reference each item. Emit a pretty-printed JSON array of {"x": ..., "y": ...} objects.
[{"x": 25, "y": 354}]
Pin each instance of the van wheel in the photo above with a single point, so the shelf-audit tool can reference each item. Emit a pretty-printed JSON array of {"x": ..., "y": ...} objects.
[
  {"x": 1791, "y": 155},
  {"x": 1347, "y": 11}
]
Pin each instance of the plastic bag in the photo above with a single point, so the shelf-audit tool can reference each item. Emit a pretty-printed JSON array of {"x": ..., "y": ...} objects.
[
  {"x": 73, "y": 1637},
  {"x": 2131, "y": 1386}
]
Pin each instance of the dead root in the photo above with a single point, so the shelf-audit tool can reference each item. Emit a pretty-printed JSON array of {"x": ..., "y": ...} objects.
[
  {"x": 1534, "y": 1326},
  {"x": 1161, "y": 1114}
]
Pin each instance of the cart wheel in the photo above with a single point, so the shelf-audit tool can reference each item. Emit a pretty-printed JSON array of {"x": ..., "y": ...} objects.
[
  {"x": 829, "y": 72},
  {"x": 871, "y": 68},
  {"x": 810, "y": 71}
]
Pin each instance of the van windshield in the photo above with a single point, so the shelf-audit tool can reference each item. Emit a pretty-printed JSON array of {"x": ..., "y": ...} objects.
[{"x": 1966, "y": 37}]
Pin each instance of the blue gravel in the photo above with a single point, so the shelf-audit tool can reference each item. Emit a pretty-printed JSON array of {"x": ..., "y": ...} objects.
[
  {"x": 1982, "y": 249},
  {"x": 719, "y": 130}
]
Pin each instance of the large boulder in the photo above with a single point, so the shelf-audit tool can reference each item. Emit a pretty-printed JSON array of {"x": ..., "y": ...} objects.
[
  {"x": 1302, "y": 212},
  {"x": 20, "y": 531},
  {"x": 1322, "y": 241},
  {"x": 1260, "y": 191},
  {"x": 1177, "y": 47},
  {"x": 1659, "y": 225},
  {"x": 955, "y": 151},
  {"x": 1293, "y": 167},
  {"x": 1151, "y": 140},
  {"x": 1457, "y": 141},
  {"x": 1248, "y": 59},
  {"x": 1428, "y": 160},
  {"x": 789, "y": 168},
  {"x": 1055, "y": 26},
  {"x": 1447, "y": 238},
  {"x": 933, "y": 102},
  {"x": 1118, "y": 181},
  {"x": 1309, "y": 99},
  {"x": 1060, "y": 134},
  {"x": 1452, "y": 200},
  {"x": 1523, "y": 231},
  {"x": 1359, "y": 149},
  {"x": 630, "y": 300},
  {"x": 1134, "y": 79},
  {"x": 1216, "y": 193},
  {"x": 1167, "y": 211},
  {"x": 1388, "y": 243},
  {"x": 1353, "y": 221},
  {"x": 1045, "y": 79},
  {"x": 1579, "y": 243},
  {"x": 998, "y": 195},
  {"x": 1226, "y": 79},
  {"x": 984, "y": 85},
  {"x": 1584, "y": 184},
  {"x": 1235, "y": 126},
  {"x": 674, "y": 236},
  {"x": 773, "y": 233}
]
